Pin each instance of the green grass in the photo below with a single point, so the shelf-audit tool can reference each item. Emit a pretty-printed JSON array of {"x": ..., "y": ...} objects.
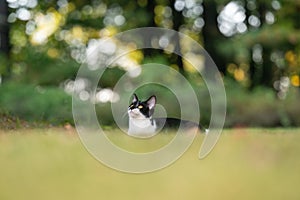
[{"x": 245, "y": 164}]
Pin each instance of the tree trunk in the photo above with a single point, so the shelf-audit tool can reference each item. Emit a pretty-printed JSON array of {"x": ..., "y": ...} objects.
[
  {"x": 177, "y": 22},
  {"x": 4, "y": 39},
  {"x": 4, "y": 28},
  {"x": 150, "y": 8},
  {"x": 267, "y": 66},
  {"x": 212, "y": 35}
]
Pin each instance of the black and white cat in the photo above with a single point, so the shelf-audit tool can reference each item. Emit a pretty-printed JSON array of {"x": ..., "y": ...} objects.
[{"x": 142, "y": 124}]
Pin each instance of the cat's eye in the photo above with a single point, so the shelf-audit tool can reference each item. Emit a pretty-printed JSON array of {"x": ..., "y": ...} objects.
[
  {"x": 131, "y": 106},
  {"x": 140, "y": 107}
]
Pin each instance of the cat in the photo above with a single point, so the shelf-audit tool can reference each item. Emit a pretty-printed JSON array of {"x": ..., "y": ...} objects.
[{"x": 142, "y": 123}]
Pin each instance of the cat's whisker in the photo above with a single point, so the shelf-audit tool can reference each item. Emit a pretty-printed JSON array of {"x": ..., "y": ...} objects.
[{"x": 124, "y": 115}]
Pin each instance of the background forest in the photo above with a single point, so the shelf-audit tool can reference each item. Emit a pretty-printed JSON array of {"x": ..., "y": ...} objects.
[{"x": 255, "y": 45}]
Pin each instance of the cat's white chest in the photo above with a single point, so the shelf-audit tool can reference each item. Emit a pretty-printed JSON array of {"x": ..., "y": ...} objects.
[{"x": 141, "y": 127}]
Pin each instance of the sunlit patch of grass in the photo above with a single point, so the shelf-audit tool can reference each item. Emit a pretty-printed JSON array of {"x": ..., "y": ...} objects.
[{"x": 245, "y": 164}]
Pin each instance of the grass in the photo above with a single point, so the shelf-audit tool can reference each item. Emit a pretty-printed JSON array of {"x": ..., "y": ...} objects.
[{"x": 245, "y": 164}]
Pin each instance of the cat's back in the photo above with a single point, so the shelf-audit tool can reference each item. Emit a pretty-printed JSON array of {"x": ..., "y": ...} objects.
[{"x": 173, "y": 123}]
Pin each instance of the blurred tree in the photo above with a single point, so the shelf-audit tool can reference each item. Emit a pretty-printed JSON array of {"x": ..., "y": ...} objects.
[
  {"x": 239, "y": 35},
  {"x": 254, "y": 42},
  {"x": 257, "y": 45},
  {"x": 163, "y": 14}
]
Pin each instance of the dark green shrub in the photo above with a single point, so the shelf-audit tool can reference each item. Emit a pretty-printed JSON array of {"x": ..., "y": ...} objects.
[
  {"x": 34, "y": 103},
  {"x": 261, "y": 107}
]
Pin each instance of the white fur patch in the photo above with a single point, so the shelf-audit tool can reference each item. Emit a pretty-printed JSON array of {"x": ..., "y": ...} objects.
[{"x": 139, "y": 125}]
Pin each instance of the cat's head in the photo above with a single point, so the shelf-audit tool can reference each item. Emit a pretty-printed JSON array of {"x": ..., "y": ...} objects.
[{"x": 141, "y": 109}]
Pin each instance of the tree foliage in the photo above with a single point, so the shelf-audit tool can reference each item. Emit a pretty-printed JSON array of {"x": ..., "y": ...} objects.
[{"x": 254, "y": 42}]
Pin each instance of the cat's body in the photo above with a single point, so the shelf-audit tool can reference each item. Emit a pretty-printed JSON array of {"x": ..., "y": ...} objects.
[{"x": 142, "y": 124}]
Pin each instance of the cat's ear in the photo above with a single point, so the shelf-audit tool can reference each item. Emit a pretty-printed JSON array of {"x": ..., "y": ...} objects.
[
  {"x": 135, "y": 98},
  {"x": 151, "y": 102}
]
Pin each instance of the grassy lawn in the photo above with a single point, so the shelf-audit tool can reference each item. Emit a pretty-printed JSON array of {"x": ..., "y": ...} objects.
[{"x": 245, "y": 164}]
